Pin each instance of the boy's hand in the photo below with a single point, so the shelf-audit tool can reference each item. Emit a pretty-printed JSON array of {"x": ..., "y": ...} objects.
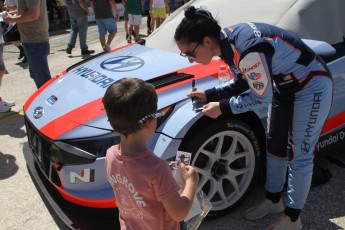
[{"x": 189, "y": 173}]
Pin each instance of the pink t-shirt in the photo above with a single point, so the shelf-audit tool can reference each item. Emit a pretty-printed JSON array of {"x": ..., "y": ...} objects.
[{"x": 140, "y": 184}]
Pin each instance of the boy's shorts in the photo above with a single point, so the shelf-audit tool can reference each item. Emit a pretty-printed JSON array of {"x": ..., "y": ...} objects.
[
  {"x": 2, "y": 64},
  {"x": 106, "y": 25},
  {"x": 134, "y": 19},
  {"x": 159, "y": 13}
]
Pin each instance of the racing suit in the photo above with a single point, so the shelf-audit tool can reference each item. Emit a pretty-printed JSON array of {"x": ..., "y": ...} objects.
[{"x": 283, "y": 73}]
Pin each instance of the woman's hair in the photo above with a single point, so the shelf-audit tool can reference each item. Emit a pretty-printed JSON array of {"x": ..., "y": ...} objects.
[
  {"x": 197, "y": 24},
  {"x": 127, "y": 101}
]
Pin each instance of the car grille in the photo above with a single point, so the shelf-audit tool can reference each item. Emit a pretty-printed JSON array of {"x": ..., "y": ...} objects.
[
  {"x": 169, "y": 79},
  {"x": 41, "y": 150}
]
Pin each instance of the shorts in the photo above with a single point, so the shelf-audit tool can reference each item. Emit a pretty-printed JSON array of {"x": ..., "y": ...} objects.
[
  {"x": 106, "y": 25},
  {"x": 11, "y": 33},
  {"x": 159, "y": 13},
  {"x": 134, "y": 19},
  {"x": 2, "y": 64}
]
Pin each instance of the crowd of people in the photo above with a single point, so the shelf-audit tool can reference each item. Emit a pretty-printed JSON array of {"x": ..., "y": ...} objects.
[{"x": 30, "y": 21}]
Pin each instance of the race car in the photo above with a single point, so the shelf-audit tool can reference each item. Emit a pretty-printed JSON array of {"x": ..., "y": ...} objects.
[{"x": 68, "y": 131}]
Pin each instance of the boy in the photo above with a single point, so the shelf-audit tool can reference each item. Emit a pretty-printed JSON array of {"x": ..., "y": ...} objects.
[{"x": 146, "y": 192}]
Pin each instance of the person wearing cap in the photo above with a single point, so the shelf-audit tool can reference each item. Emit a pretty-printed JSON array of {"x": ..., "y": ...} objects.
[{"x": 271, "y": 68}]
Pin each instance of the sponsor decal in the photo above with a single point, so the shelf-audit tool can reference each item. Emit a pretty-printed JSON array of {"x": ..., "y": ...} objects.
[
  {"x": 93, "y": 76},
  {"x": 253, "y": 67},
  {"x": 313, "y": 115},
  {"x": 51, "y": 100},
  {"x": 256, "y": 31},
  {"x": 258, "y": 85},
  {"x": 122, "y": 64},
  {"x": 332, "y": 139},
  {"x": 38, "y": 112},
  {"x": 287, "y": 80},
  {"x": 287, "y": 77},
  {"x": 305, "y": 147},
  {"x": 87, "y": 176},
  {"x": 254, "y": 76},
  {"x": 242, "y": 106}
]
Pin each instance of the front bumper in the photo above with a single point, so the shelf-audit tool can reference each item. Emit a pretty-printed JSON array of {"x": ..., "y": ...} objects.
[{"x": 66, "y": 214}]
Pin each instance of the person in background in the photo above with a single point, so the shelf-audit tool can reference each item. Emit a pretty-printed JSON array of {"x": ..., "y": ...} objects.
[
  {"x": 159, "y": 10},
  {"x": 152, "y": 201},
  {"x": 5, "y": 106},
  {"x": 148, "y": 15},
  {"x": 78, "y": 12},
  {"x": 271, "y": 67},
  {"x": 105, "y": 21},
  {"x": 14, "y": 37},
  {"x": 125, "y": 17},
  {"x": 32, "y": 21},
  {"x": 134, "y": 9}
]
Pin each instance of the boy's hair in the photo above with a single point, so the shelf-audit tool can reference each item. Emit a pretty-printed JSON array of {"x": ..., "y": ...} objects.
[{"x": 128, "y": 100}]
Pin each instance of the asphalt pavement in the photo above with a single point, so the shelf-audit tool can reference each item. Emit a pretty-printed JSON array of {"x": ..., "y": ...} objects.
[{"x": 22, "y": 207}]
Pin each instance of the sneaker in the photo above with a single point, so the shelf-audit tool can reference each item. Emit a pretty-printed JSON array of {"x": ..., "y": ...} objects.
[
  {"x": 263, "y": 209},
  {"x": 9, "y": 103},
  {"x": 285, "y": 223},
  {"x": 21, "y": 52},
  {"x": 69, "y": 50},
  {"x": 4, "y": 108},
  {"x": 127, "y": 36},
  {"x": 129, "y": 41},
  {"x": 87, "y": 52},
  {"x": 24, "y": 60},
  {"x": 106, "y": 48}
]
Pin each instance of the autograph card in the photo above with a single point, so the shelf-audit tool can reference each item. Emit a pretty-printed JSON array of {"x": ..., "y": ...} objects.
[{"x": 182, "y": 157}]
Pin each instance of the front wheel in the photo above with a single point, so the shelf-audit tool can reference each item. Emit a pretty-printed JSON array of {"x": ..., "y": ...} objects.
[{"x": 226, "y": 155}]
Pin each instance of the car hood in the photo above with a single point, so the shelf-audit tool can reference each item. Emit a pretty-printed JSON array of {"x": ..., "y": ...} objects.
[{"x": 75, "y": 98}]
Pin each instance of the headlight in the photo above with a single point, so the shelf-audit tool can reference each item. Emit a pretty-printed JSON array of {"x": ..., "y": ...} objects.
[
  {"x": 96, "y": 145},
  {"x": 167, "y": 111}
]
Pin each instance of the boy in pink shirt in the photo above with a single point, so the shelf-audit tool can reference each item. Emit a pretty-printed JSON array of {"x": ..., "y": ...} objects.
[{"x": 146, "y": 192}]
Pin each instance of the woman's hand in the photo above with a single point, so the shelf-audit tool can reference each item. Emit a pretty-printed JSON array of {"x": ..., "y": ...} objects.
[
  {"x": 197, "y": 95},
  {"x": 212, "y": 110}
]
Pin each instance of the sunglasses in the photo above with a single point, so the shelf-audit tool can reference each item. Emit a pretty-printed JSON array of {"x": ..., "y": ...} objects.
[
  {"x": 154, "y": 115},
  {"x": 190, "y": 54}
]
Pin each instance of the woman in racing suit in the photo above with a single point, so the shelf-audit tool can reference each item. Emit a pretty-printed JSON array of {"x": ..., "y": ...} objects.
[{"x": 281, "y": 72}]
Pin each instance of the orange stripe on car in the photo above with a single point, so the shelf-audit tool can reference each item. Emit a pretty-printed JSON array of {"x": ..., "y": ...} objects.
[
  {"x": 65, "y": 123},
  {"x": 104, "y": 203},
  {"x": 334, "y": 122},
  {"x": 199, "y": 71}
]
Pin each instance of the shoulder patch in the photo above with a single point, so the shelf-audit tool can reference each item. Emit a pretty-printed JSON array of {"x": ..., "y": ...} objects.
[{"x": 253, "y": 68}]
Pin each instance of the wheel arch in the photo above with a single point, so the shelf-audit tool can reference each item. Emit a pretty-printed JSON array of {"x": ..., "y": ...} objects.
[{"x": 250, "y": 118}]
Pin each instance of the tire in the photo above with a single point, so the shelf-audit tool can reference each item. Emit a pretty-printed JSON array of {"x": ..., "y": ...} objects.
[{"x": 226, "y": 154}]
